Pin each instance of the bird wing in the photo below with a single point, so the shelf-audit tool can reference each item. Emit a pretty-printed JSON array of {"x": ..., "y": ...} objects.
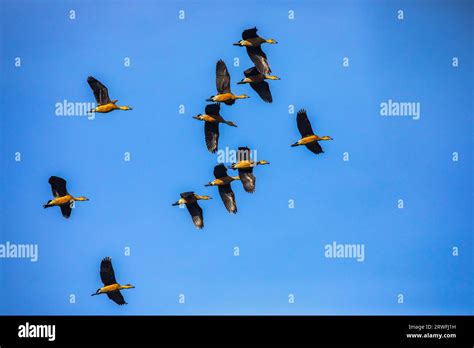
[
  {"x": 211, "y": 133},
  {"x": 248, "y": 179},
  {"x": 101, "y": 92},
  {"x": 58, "y": 186},
  {"x": 251, "y": 72},
  {"x": 66, "y": 210},
  {"x": 186, "y": 194},
  {"x": 196, "y": 213},
  {"x": 243, "y": 154},
  {"x": 220, "y": 171},
  {"x": 222, "y": 78},
  {"x": 263, "y": 90},
  {"x": 228, "y": 197},
  {"x": 315, "y": 147},
  {"x": 107, "y": 274},
  {"x": 249, "y": 33},
  {"x": 212, "y": 109},
  {"x": 304, "y": 126},
  {"x": 259, "y": 58},
  {"x": 117, "y": 297}
]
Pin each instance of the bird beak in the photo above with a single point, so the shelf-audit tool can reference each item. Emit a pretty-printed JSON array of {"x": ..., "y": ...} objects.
[{"x": 94, "y": 294}]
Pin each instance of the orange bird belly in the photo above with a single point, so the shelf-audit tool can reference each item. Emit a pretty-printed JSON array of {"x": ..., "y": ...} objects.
[
  {"x": 308, "y": 139},
  {"x": 109, "y": 288},
  {"x": 243, "y": 164},
  {"x": 223, "y": 97},
  {"x": 106, "y": 107},
  {"x": 208, "y": 118},
  {"x": 61, "y": 200}
]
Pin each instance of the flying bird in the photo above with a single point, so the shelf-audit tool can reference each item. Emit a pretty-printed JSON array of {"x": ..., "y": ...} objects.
[
  {"x": 252, "y": 42},
  {"x": 224, "y": 95},
  {"x": 62, "y": 198},
  {"x": 212, "y": 118},
  {"x": 258, "y": 83},
  {"x": 111, "y": 287},
  {"x": 308, "y": 138},
  {"x": 250, "y": 38},
  {"x": 245, "y": 167},
  {"x": 222, "y": 181},
  {"x": 101, "y": 94},
  {"x": 190, "y": 200}
]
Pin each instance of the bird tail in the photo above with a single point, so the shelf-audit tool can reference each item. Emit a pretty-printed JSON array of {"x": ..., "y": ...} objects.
[
  {"x": 295, "y": 144},
  {"x": 47, "y": 205},
  {"x": 210, "y": 98},
  {"x": 237, "y": 44}
]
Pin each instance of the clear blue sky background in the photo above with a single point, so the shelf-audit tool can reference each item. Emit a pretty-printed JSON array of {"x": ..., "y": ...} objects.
[{"x": 407, "y": 251}]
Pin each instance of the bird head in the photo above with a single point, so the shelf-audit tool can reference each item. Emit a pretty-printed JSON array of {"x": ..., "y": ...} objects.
[
  {"x": 199, "y": 117},
  {"x": 127, "y": 286},
  {"x": 271, "y": 41},
  {"x": 125, "y": 107},
  {"x": 82, "y": 198},
  {"x": 180, "y": 202},
  {"x": 326, "y": 137},
  {"x": 272, "y": 77},
  {"x": 98, "y": 292},
  {"x": 261, "y": 162}
]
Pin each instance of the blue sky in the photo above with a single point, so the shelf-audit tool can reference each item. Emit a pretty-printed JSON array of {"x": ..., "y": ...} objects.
[{"x": 407, "y": 251}]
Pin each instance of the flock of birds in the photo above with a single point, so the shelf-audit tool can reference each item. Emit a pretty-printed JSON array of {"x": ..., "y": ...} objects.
[{"x": 256, "y": 76}]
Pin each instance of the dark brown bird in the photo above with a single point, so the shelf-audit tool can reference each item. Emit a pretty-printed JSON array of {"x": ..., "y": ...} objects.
[
  {"x": 111, "y": 287},
  {"x": 222, "y": 181},
  {"x": 190, "y": 200},
  {"x": 245, "y": 166},
  {"x": 308, "y": 138},
  {"x": 224, "y": 95},
  {"x": 252, "y": 42},
  {"x": 258, "y": 83},
  {"x": 250, "y": 38},
  {"x": 62, "y": 198},
  {"x": 211, "y": 119},
  {"x": 101, "y": 94}
]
